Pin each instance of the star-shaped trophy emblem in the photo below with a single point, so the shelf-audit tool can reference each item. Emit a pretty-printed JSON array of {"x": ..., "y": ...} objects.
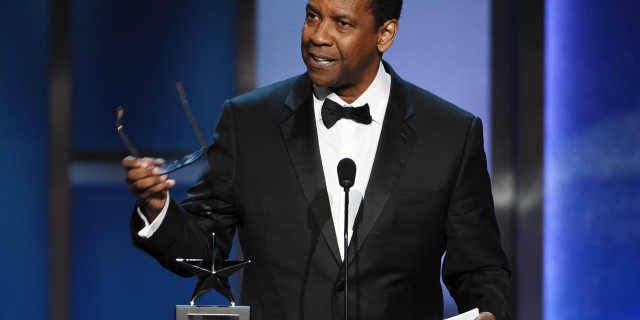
[{"x": 213, "y": 273}]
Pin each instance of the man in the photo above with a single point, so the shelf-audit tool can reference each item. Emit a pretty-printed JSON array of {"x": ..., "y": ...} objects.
[{"x": 421, "y": 188}]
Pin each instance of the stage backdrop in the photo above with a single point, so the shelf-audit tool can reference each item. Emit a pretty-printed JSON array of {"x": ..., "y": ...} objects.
[
  {"x": 592, "y": 160},
  {"x": 24, "y": 140}
]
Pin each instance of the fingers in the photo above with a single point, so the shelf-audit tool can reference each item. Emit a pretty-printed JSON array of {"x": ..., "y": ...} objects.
[
  {"x": 142, "y": 171},
  {"x": 486, "y": 316},
  {"x": 133, "y": 162},
  {"x": 143, "y": 180},
  {"x": 157, "y": 186}
]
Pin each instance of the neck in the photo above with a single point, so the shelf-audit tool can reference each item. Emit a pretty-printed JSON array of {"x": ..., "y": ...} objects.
[
  {"x": 352, "y": 93},
  {"x": 347, "y": 95}
]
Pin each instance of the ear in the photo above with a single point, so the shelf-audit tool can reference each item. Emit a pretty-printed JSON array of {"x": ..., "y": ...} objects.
[{"x": 388, "y": 33}]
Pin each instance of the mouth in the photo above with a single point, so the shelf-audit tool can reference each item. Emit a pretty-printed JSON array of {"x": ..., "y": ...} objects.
[{"x": 322, "y": 61}]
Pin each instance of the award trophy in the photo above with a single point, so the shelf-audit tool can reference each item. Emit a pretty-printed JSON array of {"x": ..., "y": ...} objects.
[{"x": 213, "y": 271}]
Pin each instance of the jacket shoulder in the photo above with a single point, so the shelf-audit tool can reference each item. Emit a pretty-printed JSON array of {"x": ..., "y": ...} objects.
[
  {"x": 273, "y": 93},
  {"x": 427, "y": 102}
]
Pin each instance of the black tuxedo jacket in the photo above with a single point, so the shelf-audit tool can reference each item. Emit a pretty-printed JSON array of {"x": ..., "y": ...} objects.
[{"x": 429, "y": 192}]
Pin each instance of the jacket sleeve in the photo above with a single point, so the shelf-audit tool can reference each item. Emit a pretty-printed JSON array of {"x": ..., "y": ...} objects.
[
  {"x": 475, "y": 268},
  {"x": 208, "y": 208}
]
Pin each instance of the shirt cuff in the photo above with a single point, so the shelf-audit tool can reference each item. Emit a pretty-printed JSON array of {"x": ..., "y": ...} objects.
[{"x": 150, "y": 229}]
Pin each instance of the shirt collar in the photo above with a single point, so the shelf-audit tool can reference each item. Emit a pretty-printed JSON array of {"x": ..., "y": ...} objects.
[{"x": 376, "y": 96}]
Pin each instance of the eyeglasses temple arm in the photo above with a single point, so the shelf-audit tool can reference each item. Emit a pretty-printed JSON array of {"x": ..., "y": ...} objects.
[
  {"x": 134, "y": 152},
  {"x": 196, "y": 128}
]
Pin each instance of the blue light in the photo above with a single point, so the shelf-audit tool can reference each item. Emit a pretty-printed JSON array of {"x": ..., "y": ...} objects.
[{"x": 592, "y": 160}]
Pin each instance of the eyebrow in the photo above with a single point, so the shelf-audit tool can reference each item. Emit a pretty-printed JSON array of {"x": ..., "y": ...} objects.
[{"x": 335, "y": 17}]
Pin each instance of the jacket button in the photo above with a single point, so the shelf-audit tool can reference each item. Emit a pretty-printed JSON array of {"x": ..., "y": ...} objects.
[{"x": 340, "y": 286}]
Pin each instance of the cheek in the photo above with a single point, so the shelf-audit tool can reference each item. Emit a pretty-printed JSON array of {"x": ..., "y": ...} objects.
[
  {"x": 349, "y": 50},
  {"x": 307, "y": 33}
]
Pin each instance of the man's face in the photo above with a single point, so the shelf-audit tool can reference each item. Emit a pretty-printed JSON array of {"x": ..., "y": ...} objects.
[{"x": 340, "y": 45}]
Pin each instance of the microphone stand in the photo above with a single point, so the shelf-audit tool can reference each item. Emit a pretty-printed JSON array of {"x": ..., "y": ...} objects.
[
  {"x": 345, "y": 263},
  {"x": 346, "y": 177}
]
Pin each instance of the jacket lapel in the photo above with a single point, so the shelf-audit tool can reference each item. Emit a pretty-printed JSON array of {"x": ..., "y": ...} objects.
[
  {"x": 301, "y": 139},
  {"x": 396, "y": 140}
]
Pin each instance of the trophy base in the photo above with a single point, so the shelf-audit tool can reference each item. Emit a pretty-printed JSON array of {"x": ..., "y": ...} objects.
[{"x": 212, "y": 313}]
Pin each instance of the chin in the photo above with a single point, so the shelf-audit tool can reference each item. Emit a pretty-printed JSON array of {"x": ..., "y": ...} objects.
[{"x": 321, "y": 80}]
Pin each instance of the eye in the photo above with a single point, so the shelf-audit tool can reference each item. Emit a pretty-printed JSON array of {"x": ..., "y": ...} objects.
[
  {"x": 311, "y": 16},
  {"x": 342, "y": 23}
]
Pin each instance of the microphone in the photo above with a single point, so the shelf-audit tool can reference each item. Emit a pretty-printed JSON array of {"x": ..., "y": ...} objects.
[{"x": 346, "y": 173}]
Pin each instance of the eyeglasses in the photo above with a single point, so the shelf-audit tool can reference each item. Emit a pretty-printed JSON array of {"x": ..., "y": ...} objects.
[{"x": 177, "y": 164}]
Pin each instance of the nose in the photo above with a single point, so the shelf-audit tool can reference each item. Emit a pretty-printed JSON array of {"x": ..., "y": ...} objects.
[{"x": 322, "y": 35}]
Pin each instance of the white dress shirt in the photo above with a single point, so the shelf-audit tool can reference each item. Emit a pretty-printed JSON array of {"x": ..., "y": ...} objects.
[
  {"x": 346, "y": 139},
  {"x": 349, "y": 139}
]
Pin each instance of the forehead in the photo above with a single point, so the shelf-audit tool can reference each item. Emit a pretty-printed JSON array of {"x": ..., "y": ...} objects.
[{"x": 344, "y": 6}]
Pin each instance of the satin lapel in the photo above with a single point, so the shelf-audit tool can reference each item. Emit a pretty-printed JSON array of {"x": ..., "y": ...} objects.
[
  {"x": 395, "y": 144},
  {"x": 301, "y": 139}
]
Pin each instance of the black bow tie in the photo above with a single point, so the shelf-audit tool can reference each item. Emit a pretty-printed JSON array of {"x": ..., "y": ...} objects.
[{"x": 332, "y": 112}]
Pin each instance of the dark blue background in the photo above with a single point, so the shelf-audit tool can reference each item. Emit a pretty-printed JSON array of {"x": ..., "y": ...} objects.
[
  {"x": 24, "y": 250},
  {"x": 131, "y": 54},
  {"x": 592, "y": 160}
]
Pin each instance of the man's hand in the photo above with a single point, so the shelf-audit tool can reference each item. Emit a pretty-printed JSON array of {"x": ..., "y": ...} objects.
[
  {"x": 485, "y": 316},
  {"x": 144, "y": 183}
]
